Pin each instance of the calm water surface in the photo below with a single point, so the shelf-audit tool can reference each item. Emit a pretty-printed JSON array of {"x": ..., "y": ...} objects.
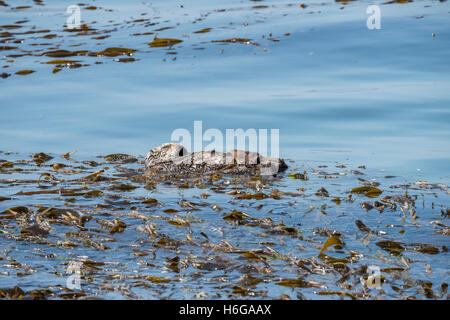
[
  {"x": 335, "y": 89},
  {"x": 339, "y": 93}
]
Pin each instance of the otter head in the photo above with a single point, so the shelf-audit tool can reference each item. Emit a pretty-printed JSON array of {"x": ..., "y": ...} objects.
[{"x": 167, "y": 152}]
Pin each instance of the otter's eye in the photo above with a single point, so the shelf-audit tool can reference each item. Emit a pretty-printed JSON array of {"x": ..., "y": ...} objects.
[
  {"x": 181, "y": 153},
  {"x": 258, "y": 160}
]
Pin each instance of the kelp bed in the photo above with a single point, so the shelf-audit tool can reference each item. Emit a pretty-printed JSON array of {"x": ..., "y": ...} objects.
[{"x": 311, "y": 232}]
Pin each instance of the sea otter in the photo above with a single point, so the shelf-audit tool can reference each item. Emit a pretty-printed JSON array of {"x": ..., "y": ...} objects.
[{"x": 173, "y": 158}]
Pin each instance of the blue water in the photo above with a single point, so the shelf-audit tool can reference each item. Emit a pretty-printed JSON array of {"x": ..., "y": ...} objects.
[
  {"x": 338, "y": 92},
  {"x": 334, "y": 88}
]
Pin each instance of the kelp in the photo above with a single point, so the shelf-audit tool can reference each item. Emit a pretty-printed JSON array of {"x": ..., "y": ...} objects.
[
  {"x": 234, "y": 40},
  {"x": 177, "y": 221},
  {"x": 236, "y": 216},
  {"x": 300, "y": 176},
  {"x": 256, "y": 196},
  {"x": 204, "y": 30},
  {"x": 62, "y": 62},
  {"x": 24, "y": 72},
  {"x": 150, "y": 201},
  {"x": 331, "y": 241},
  {"x": 41, "y": 157},
  {"x": 114, "y": 52},
  {"x": 62, "y": 53},
  {"x": 368, "y": 191},
  {"x": 393, "y": 247},
  {"x": 170, "y": 210},
  {"x": 165, "y": 42},
  {"x": 300, "y": 283},
  {"x": 122, "y": 187}
]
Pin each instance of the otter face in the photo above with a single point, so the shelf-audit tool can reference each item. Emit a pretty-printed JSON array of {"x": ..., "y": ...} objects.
[{"x": 167, "y": 152}]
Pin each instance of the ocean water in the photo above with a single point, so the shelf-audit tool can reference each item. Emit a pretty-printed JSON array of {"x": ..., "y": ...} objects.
[
  {"x": 376, "y": 101},
  {"x": 335, "y": 89}
]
